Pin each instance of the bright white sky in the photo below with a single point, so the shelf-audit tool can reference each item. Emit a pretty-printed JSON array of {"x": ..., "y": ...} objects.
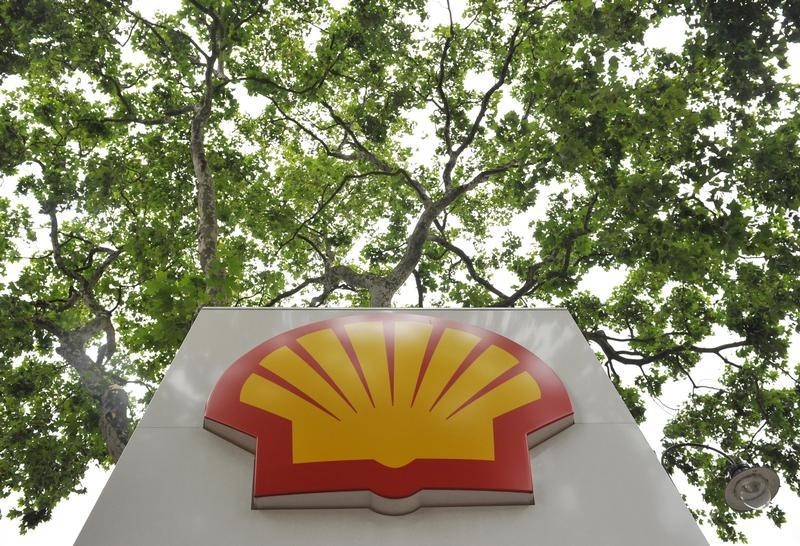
[{"x": 69, "y": 516}]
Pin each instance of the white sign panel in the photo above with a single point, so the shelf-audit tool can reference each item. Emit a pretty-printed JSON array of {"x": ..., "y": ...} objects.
[{"x": 388, "y": 411}]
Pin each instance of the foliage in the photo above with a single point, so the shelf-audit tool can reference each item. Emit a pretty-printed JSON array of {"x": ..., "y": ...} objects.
[{"x": 499, "y": 153}]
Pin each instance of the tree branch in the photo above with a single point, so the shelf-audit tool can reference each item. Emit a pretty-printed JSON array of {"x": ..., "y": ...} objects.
[
  {"x": 445, "y": 103},
  {"x": 155, "y": 26},
  {"x": 469, "y": 264},
  {"x": 292, "y": 291},
  {"x": 602, "y": 340},
  {"x": 420, "y": 288},
  {"x": 484, "y": 105},
  {"x": 373, "y": 159}
]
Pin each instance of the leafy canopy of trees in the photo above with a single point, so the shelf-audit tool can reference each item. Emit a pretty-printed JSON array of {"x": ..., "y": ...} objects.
[{"x": 391, "y": 152}]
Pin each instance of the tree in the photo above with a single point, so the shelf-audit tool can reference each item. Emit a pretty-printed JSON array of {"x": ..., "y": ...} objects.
[{"x": 495, "y": 153}]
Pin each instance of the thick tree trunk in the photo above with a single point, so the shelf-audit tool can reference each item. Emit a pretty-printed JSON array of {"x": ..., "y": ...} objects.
[
  {"x": 112, "y": 399},
  {"x": 380, "y": 295},
  {"x": 207, "y": 231},
  {"x": 114, "y": 419}
]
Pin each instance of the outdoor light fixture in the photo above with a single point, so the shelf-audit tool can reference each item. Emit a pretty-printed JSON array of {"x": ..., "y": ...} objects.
[{"x": 749, "y": 487}]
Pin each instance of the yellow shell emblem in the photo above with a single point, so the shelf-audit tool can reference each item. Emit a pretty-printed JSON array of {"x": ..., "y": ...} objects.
[{"x": 358, "y": 409}]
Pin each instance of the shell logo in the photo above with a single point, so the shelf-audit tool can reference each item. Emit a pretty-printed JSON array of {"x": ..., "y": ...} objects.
[{"x": 389, "y": 411}]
